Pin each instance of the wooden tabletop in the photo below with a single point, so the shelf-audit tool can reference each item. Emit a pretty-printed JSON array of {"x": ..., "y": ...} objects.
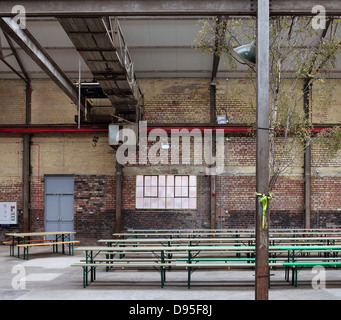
[
  {"x": 32, "y": 234},
  {"x": 207, "y": 248},
  {"x": 215, "y": 239}
]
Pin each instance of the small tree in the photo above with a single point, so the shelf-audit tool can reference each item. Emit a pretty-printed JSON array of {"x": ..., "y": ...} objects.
[{"x": 300, "y": 58}]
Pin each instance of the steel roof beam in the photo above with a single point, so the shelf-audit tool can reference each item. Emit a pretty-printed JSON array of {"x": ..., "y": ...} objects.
[
  {"x": 39, "y": 55},
  {"x": 66, "y": 8}
]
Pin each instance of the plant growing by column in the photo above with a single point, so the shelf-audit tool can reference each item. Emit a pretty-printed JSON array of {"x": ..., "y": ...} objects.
[{"x": 301, "y": 57}]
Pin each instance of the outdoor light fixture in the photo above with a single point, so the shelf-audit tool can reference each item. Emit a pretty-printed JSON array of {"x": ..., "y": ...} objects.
[{"x": 247, "y": 52}]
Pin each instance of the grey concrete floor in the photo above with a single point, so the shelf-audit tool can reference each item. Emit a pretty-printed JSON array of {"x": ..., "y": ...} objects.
[{"x": 49, "y": 276}]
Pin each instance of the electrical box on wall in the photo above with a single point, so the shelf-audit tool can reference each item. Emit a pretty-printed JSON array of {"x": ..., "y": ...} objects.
[{"x": 8, "y": 213}]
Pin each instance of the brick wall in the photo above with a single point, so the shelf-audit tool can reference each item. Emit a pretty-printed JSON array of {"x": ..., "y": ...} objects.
[
  {"x": 12, "y": 102},
  {"x": 166, "y": 101},
  {"x": 174, "y": 101},
  {"x": 94, "y": 207}
]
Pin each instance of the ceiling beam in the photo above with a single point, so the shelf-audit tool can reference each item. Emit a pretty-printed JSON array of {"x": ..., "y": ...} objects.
[
  {"x": 14, "y": 51},
  {"x": 64, "y": 8},
  {"x": 39, "y": 55}
]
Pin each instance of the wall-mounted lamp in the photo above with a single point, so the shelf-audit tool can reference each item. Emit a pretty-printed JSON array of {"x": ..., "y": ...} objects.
[{"x": 247, "y": 52}]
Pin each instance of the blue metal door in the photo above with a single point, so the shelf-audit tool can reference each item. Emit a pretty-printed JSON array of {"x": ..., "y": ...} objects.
[{"x": 59, "y": 203}]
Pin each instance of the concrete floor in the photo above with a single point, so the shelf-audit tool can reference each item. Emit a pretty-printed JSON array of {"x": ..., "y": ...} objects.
[{"x": 48, "y": 276}]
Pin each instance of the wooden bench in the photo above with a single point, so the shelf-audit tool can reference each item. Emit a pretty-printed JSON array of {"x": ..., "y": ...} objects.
[
  {"x": 164, "y": 258},
  {"x": 24, "y": 240},
  {"x": 297, "y": 264},
  {"x": 55, "y": 245},
  {"x": 90, "y": 268}
]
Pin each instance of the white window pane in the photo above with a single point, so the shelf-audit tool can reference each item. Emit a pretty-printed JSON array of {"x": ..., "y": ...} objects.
[
  {"x": 184, "y": 181},
  {"x": 184, "y": 192},
  {"x": 193, "y": 181},
  {"x": 147, "y": 192},
  {"x": 177, "y": 203},
  {"x": 170, "y": 180},
  {"x": 147, "y": 181},
  {"x": 192, "y": 203},
  {"x": 170, "y": 191},
  {"x": 139, "y": 203},
  {"x": 162, "y": 181},
  {"x": 153, "y": 181},
  {"x": 146, "y": 203},
  {"x": 178, "y": 192},
  {"x": 162, "y": 192},
  {"x": 139, "y": 181},
  {"x": 185, "y": 203},
  {"x": 170, "y": 203},
  {"x": 139, "y": 192},
  {"x": 178, "y": 181},
  {"x": 153, "y": 191},
  {"x": 162, "y": 203},
  {"x": 154, "y": 203},
  {"x": 192, "y": 192}
]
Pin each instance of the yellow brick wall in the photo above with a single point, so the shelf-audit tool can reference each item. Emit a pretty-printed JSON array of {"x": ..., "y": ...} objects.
[
  {"x": 12, "y": 102},
  {"x": 166, "y": 100},
  {"x": 72, "y": 154},
  {"x": 11, "y": 156},
  {"x": 50, "y": 104}
]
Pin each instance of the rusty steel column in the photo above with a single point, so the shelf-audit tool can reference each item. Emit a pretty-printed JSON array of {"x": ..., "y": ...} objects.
[
  {"x": 262, "y": 157},
  {"x": 26, "y": 176},
  {"x": 307, "y": 159},
  {"x": 118, "y": 219}
]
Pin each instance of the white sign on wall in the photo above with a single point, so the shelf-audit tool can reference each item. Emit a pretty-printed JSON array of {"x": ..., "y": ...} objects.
[{"x": 8, "y": 213}]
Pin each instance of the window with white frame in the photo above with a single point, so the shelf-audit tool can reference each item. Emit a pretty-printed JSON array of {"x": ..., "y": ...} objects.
[{"x": 166, "y": 192}]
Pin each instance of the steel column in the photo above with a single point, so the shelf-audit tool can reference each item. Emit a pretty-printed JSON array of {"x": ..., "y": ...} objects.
[
  {"x": 26, "y": 182},
  {"x": 262, "y": 145},
  {"x": 118, "y": 220},
  {"x": 307, "y": 159}
]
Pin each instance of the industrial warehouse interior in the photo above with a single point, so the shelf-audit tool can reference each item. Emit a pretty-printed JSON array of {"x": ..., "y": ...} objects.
[{"x": 170, "y": 150}]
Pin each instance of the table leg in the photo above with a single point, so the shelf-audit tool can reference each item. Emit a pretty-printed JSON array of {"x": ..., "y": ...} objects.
[
  {"x": 63, "y": 248},
  {"x": 189, "y": 270},
  {"x": 56, "y": 244}
]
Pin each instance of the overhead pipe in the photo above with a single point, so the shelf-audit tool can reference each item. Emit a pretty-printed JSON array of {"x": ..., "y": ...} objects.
[{"x": 35, "y": 129}]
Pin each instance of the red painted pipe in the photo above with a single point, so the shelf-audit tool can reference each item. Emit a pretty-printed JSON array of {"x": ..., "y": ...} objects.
[
  {"x": 34, "y": 129},
  {"x": 52, "y": 128},
  {"x": 238, "y": 129}
]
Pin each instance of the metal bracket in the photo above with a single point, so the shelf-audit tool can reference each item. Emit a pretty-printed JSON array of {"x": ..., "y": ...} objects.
[{"x": 253, "y": 5}]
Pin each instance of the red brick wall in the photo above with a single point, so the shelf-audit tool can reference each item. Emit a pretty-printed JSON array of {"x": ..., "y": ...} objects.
[{"x": 94, "y": 207}]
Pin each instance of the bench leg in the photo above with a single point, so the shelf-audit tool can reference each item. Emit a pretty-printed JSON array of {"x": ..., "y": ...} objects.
[
  {"x": 71, "y": 252},
  {"x": 93, "y": 273},
  {"x": 26, "y": 250},
  {"x": 162, "y": 277},
  {"x": 189, "y": 270},
  {"x": 85, "y": 276}
]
